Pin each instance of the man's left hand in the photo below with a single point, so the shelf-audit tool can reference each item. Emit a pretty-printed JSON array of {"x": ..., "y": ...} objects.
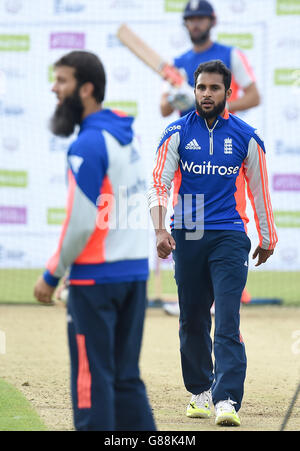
[
  {"x": 43, "y": 291},
  {"x": 263, "y": 255}
]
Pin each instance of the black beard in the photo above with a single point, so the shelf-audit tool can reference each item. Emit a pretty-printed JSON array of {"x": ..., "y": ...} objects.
[
  {"x": 218, "y": 109},
  {"x": 200, "y": 39},
  {"x": 67, "y": 115}
]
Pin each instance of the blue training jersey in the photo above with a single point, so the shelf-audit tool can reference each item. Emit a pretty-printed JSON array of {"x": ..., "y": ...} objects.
[
  {"x": 98, "y": 243},
  {"x": 209, "y": 168}
]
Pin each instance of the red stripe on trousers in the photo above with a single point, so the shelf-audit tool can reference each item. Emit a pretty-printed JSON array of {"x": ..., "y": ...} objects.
[
  {"x": 82, "y": 282},
  {"x": 84, "y": 378}
]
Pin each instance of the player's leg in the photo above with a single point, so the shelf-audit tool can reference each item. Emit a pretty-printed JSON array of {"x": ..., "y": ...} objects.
[
  {"x": 229, "y": 267},
  {"x": 195, "y": 298},
  {"x": 92, "y": 318},
  {"x": 132, "y": 408},
  {"x": 73, "y": 352}
]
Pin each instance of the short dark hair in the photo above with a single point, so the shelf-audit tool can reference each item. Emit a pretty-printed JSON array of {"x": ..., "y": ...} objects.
[
  {"x": 88, "y": 68},
  {"x": 214, "y": 66}
]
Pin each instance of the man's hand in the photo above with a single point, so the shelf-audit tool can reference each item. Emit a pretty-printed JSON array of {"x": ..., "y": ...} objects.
[
  {"x": 43, "y": 291},
  {"x": 182, "y": 98},
  {"x": 165, "y": 243},
  {"x": 263, "y": 255}
]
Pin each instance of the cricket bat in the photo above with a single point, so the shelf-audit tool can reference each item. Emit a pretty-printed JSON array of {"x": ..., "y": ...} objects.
[{"x": 149, "y": 56}]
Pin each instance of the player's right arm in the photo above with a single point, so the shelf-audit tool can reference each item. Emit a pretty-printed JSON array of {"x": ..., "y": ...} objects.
[
  {"x": 165, "y": 166},
  {"x": 165, "y": 243}
]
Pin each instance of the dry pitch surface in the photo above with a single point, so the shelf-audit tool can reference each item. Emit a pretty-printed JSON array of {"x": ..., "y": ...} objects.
[{"x": 36, "y": 362}]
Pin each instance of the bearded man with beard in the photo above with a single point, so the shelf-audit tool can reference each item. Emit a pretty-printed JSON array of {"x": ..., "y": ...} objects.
[
  {"x": 107, "y": 260},
  {"x": 209, "y": 155},
  {"x": 67, "y": 115},
  {"x": 199, "y": 19}
]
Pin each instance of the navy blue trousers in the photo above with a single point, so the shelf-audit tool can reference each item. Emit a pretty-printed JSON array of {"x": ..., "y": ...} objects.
[
  {"x": 105, "y": 327},
  {"x": 212, "y": 269}
]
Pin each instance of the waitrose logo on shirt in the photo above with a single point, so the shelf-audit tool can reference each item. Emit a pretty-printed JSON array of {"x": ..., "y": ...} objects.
[{"x": 14, "y": 42}]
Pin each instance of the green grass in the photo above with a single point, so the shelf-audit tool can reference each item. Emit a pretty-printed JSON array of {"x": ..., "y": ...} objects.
[
  {"x": 16, "y": 285},
  {"x": 16, "y": 413},
  {"x": 276, "y": 284},
  {"x": 260, "y": 284}
]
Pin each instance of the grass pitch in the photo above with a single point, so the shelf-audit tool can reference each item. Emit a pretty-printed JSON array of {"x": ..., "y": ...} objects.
[
  {"x": 261, "y": 284},
  {"x": 16, "y": 285},
  {"x": 16, "y": 413}
]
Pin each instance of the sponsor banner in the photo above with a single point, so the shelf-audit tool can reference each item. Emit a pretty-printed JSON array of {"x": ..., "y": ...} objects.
[
  {"x": 13, "y": 215},
  {"x": 13, "y": 179},
  {"x": 51, "y": 77},
  {"x": 11, "y": 255},
  {"x": 28, "y": 251},
  {"x": 176, "y": 6},
  {"x": 14, "y": 42},
  {"x": 240, "y": 40},
  {"x": 287, "y": 219},
  {"x": 56, "y": 216},
  {"x": 13, "y": 6},
  {"x": 69, "y": 7},
  {"x": 288, "y": 7},
  {"x": 67, "y": 40},
  {"x": 11, "y": 110},
  {"x": 287, "y": 76},
  {"x": 282, "y": 148},
  {"x": 286, "y": 182}
]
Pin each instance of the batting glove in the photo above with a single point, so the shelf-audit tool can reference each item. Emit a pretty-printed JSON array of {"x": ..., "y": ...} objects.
[{"x": 182, "y": 98}]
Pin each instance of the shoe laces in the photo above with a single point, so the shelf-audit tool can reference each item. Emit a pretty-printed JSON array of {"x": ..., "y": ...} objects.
[
  {"x": 226, "y": 405},
  {"x": 203, "y": 399}
]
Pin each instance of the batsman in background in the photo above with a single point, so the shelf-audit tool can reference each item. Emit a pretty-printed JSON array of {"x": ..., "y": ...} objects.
[
  {"x": 108, "y": 261},
  {"x": 199, "y": 18}
]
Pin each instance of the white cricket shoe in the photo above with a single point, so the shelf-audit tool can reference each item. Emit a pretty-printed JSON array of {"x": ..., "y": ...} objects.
[
  {"x": 171, "y": 308},
  {"x": 226, "y": 414},
  {"x": 200, "y": 405}
]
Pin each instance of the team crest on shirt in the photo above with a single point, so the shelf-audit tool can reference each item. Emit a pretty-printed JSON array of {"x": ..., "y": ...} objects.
[{"x": 228, "y": 145}]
